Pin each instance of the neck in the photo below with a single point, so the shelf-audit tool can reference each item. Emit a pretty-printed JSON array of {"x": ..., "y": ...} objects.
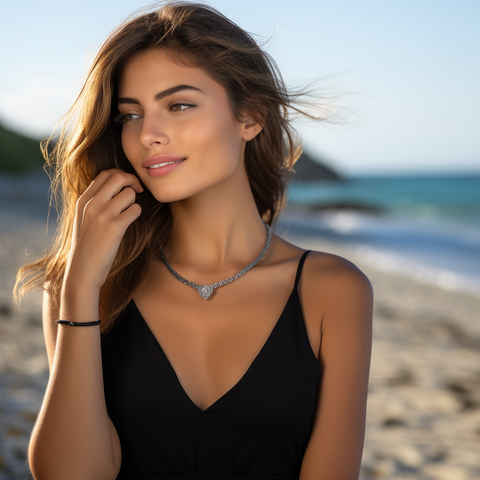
[{"x": 217, "y": 230}]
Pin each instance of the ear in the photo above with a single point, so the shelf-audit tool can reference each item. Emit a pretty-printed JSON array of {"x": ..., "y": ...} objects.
[{"x": 251, "y": 127}]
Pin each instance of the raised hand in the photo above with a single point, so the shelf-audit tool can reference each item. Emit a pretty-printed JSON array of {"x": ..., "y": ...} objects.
[{"x": 103, "y": 214}]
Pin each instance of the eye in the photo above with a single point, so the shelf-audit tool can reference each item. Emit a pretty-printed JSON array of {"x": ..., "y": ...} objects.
[
  {"x": 125, "y": 117},
  {"x": 180, "y": 107}
]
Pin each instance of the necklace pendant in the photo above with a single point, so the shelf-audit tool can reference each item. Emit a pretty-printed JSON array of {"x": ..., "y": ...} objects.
[{"x": 205, "y": 291}]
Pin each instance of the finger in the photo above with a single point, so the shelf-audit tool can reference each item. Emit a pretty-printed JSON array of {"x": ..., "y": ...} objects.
[
  {"x": 117, "y": 182},
  {"x": 129, "y": 215},
  {"x": 106, "y": 186},
  {"x": 103, "y": 178},
  {"x": 88, "y": 194},
  {"x": 98, "y": 183},
  {"x": 94, "y": 188},
  {"x": 120, "y": 202}
]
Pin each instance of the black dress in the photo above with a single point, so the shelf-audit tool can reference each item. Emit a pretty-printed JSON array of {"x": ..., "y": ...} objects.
[{"x": 259, "y": 429}]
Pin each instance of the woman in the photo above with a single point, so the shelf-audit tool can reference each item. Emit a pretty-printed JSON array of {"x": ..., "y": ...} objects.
[{"x": 175, "y": 160}]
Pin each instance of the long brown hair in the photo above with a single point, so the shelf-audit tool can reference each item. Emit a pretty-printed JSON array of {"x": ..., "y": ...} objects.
[{"x": 195, "y": 35}]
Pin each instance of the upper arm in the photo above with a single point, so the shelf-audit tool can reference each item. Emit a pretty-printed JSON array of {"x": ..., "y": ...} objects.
[
  {"x": 344, "y": 301},
  {"x": 50, "y": 312}
]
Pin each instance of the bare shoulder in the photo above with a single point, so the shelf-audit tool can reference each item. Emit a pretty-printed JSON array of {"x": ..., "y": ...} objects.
[
  {"x": 325, "y": 270},
  {"x": 333, "y": 287}
]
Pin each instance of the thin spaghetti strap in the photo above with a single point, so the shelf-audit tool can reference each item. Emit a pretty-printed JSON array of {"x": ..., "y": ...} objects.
[{"x": 300, "y": 267}]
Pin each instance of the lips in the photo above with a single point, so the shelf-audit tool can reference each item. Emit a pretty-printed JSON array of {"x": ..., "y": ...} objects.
[
  {"x": 158, "y": 165},
  {"x": 161, "y": 161},
  {"x": 162, "y": 165}
]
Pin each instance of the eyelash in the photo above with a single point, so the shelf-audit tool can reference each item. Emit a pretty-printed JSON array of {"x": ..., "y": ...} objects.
[
  {"x": 123, "y": 118},
  {"x": 180, "y": 104}
]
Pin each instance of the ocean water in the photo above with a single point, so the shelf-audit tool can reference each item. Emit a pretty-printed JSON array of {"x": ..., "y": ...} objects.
[{"x": 427, "y": 227}]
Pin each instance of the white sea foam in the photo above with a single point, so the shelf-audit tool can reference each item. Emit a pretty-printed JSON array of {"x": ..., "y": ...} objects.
[
  {"x": 440, "y": 254},
  {"x": 399, "y": 264}
]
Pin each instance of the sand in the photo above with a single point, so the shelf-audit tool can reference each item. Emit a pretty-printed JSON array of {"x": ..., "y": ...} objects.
[{"x": 424, "y": 398}]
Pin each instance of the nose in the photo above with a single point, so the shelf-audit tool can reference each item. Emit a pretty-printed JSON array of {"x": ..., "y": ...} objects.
[{"x": 153, "y": 132}]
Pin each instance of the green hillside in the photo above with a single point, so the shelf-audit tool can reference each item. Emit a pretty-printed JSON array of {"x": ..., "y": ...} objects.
[{"x": 18, "y": 153}]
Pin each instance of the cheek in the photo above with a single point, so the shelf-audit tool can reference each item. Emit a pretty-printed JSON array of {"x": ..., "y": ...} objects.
[
  {"x": 220, "y": 138},
  {"x": 129, "y": 145},
  {"x": 125, "y": 144}
]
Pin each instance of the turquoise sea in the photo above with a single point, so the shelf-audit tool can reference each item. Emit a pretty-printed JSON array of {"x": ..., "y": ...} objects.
[{"x": 424, "y": 226}]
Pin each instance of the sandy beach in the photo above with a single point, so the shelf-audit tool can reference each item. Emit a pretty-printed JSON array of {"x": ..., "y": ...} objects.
[{"x": 424, "y": 401}]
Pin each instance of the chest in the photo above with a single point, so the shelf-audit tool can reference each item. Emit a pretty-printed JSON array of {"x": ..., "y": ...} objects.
[
  {"x": 211, "y": 344},
  {"x": 260, "y": 426}
]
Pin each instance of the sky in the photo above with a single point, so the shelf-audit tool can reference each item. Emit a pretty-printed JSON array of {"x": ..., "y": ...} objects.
[{"x": 408, "y": 72}]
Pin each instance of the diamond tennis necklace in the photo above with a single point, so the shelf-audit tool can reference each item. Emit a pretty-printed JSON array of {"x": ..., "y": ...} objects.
[{"x": 206, "y": 290}]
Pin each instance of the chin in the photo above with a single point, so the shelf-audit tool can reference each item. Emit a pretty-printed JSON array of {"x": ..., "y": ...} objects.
[
  {"x": 165, "y": 194},
  {"x": 178, "y": 189},
  {"x": 165, "y": 197}
]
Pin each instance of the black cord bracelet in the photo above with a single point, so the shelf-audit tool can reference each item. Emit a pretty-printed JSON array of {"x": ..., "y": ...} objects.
[{"x": 78, "y": 324}]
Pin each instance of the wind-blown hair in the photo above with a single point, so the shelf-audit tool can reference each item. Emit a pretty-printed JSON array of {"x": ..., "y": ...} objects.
[{"x": 193, "y": 35}]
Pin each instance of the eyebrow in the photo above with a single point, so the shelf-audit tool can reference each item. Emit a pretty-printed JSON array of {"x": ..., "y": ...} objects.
[{"x": 159, "y": 95}]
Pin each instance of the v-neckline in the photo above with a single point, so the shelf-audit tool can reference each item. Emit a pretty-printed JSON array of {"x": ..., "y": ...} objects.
[{"x": 240, "y": 380}]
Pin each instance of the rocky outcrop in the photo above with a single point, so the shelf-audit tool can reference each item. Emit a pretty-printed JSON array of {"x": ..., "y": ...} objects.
[{"x": 307, "y": 169}]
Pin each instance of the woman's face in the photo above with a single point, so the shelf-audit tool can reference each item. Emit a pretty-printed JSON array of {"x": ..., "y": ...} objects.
[{"x": 178, "y": 132}]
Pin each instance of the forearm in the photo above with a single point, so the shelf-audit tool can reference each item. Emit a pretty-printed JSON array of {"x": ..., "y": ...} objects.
[{"x": 72, "y": 437}]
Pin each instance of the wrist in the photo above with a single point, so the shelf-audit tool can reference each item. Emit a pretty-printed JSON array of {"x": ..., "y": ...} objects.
[
  {"x": 74, "y": 289},
  {"x": 79, "y": 302}
]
